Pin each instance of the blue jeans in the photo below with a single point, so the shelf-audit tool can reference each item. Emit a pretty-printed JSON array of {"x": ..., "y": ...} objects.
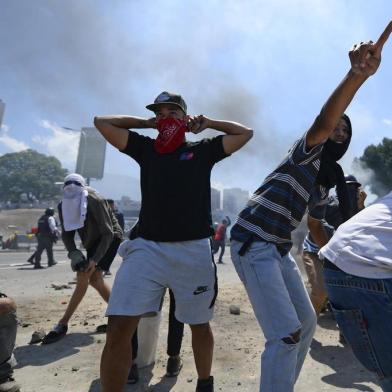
[
  {"x": 363, "y": 310},
  {"x": 282, "y": 307}
]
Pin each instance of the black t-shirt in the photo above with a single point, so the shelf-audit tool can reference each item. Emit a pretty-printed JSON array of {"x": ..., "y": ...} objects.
[{"x": 176, "y": 193}]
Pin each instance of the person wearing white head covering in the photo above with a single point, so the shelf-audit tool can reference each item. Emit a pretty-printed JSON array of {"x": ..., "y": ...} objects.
[
  {"x": 84, "y": 211},
  {"x": 74, "y": 202}
]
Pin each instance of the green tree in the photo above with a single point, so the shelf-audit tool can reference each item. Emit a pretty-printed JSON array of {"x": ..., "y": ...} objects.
[
  {"x": 31, "y": 173},
  {"x": 379, "y": 159}
]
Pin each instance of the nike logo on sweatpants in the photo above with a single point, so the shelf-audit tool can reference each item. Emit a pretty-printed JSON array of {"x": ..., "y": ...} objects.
[{"x": 200, "y": 289}]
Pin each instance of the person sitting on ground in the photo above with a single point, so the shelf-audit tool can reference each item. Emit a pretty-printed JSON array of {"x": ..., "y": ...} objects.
[
  {"x": 84, "y": 211},
  {"x": 8, "y": 324}
]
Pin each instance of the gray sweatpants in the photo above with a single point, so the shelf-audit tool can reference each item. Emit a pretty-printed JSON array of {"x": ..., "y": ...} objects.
[{"x": 7, "y": 343}]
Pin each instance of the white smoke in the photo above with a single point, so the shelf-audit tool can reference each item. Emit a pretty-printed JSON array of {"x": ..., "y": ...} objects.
[
  {"x": 10, "y": 142},
  {"x": 60, "y": 143}
]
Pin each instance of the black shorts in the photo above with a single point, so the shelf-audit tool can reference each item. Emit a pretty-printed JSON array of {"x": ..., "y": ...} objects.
[{"x": 107, "y": 260}]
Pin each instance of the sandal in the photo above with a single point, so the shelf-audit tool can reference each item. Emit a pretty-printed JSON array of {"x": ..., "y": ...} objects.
[{"x": 57, "y": 333}]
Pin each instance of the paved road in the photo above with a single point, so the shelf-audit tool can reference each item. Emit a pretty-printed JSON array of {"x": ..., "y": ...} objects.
[
  {"x": 14, "y": 266},
  {"x": 16, "y": 259}
]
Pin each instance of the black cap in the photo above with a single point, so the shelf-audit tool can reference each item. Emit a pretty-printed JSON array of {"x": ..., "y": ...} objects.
[
  {"x": 167, "y": 98},
  {"x": 350, "y": 179}
]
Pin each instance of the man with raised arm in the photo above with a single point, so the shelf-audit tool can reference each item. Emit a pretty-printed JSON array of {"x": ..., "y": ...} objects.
[
  {"x": 173, "y": 248},
  {"x": 261, "y": 237}
]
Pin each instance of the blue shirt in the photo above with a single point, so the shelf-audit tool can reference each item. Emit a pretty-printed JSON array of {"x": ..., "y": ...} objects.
[{"x": 278, "y": 205}]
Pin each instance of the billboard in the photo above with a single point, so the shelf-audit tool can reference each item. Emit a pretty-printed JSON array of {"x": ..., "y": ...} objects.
[{"x": 91, "y": 154}]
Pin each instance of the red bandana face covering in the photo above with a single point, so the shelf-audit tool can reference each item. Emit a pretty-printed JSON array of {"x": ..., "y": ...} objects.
[{"x": 171, "y": 134}]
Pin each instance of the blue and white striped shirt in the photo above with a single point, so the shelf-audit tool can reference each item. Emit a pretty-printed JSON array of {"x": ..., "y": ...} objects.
[{"x": 277, "y": 207}]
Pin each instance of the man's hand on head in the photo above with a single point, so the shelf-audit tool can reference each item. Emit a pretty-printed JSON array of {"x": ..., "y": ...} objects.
[
  {"x": 198, "y": 124},
  {"x": 151, "y": 123},
  {"x": 365, "y": 57}
]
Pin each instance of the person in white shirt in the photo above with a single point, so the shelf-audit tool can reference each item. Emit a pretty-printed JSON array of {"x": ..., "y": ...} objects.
[{"x": 358, "y": 277}]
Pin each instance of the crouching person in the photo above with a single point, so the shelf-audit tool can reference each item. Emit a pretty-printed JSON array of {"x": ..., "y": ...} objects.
[
  {"x": 358, "y": 276},
  {"x": 7, "y": 342},
  {"x": 84, "y": 211}
]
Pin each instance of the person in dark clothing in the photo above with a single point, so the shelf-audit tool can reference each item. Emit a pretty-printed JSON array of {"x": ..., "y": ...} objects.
[
  {"x": 175, "y": 334},
  {"x": 46, "y": 236},
  {"x": 219, "y": 240},
  {"x": 120, "y": 219},
  {"x": 118, "y": 214},
  {"x": 173, "y": 249},
  {"x": 323, "y": 220},
  {"x": 84, "y": 211}
]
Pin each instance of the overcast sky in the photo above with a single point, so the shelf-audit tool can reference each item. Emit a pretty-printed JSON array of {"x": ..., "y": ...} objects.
[{"x": 270, "y": 64}]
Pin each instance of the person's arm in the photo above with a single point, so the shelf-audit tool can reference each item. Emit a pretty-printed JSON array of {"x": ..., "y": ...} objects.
[
  {"x": 317, "y": 231},
  {"x": 237, "y": 135},
  {"x": 362, "y": 195},
  {"x": 115, "y": 128},
  {"x": 68, "y": 238},
  {"x": 52, "y": 224},
  {"x": 365, "y": 59}
]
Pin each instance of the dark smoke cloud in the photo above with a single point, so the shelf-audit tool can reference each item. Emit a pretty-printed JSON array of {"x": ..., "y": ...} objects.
[
  {"x": 64, "y": 54},
  {"x": 71, "y": 57}
]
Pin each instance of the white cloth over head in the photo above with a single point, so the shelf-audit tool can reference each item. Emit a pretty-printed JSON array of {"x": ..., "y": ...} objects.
[{"x": 74, "y": 202}]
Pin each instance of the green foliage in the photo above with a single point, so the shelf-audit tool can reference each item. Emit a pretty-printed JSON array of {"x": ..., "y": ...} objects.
[
  {"x": 31, "y": 173},
  {"x": 379, "y": 159}
]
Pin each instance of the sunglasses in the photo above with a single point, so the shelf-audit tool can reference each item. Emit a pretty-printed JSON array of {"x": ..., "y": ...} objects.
[{"x": 72, "y": 182}]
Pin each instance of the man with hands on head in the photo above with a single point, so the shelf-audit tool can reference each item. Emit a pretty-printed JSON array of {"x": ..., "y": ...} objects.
[
  {"x": 261, "y": 237},
  {"x": 173, "y": 248}
]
